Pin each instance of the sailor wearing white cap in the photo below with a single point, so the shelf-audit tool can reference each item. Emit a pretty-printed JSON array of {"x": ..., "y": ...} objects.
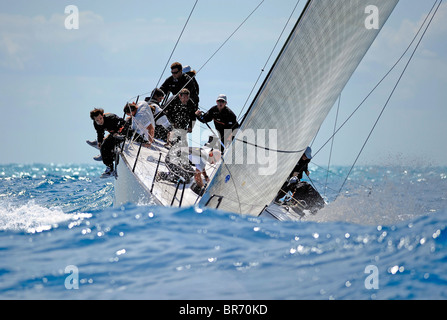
[{"x": 224, "y": 119}]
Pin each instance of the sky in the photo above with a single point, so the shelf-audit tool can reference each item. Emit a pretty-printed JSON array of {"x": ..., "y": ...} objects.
[{"x": 51, "y": 76}]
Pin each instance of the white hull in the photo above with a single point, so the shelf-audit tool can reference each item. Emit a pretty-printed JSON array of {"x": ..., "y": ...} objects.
[
  {"x": 128, "y": 187},
  {"x": 136, "y": 186}
]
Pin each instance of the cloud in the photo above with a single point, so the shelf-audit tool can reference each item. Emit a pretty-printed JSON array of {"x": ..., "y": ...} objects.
[
  {"x": 428, "y": 66},
  {"x": 408, "y": 29},
  {"x": 22, "y": 38}
]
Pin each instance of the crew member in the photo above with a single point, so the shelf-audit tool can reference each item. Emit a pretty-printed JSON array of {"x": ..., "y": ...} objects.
[
  {"x": 225, "y": 120},
  {"x": 113, "y": 124},
  {"x": 178, "y": 81}
]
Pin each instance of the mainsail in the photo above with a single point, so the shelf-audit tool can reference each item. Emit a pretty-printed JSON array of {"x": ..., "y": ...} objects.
[{"x": 321, "y": 54}]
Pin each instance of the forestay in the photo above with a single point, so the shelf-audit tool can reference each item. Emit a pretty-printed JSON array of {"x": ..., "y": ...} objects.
[{"x": 324, "y": 49}]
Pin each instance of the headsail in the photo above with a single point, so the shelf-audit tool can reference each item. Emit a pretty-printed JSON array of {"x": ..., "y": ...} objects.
[{"x": 322, "y": 52}]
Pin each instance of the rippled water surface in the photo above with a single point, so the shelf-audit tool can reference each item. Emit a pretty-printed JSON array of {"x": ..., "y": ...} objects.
[{"x": 384, "y": 237}]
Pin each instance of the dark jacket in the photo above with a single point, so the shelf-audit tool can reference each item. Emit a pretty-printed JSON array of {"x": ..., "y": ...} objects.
[
  {"x": 173, "y": 86},
  {"x": 194, "y": 79},
  {"x": 225, "y": 119},
  {"x": 181, "y": 116},
  {"x": 301, "y": 167},
  {"x": 112, "y": 124}
]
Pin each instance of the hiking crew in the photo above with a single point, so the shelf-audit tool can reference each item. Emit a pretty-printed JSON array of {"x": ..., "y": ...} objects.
[{"x": 113, "y": 124}]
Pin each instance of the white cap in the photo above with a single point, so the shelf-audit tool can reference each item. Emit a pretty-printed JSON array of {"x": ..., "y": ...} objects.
[
  {"x": 186, "y": 69},
  {"x": 308, "y": 153},
  {"x": 222, "y": 97}
]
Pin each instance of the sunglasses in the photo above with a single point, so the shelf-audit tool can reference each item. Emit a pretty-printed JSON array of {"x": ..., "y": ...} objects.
[{"x": 175, "y": 72}]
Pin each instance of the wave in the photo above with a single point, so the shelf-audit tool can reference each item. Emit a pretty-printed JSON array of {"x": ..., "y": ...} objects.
[{"x": 33, "y": 218}]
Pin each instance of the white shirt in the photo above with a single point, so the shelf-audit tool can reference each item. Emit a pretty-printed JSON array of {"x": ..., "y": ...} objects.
[
  {"x": 142, "y": 119},
  {"x": 163, "y": 120},
  {"x": 199, "y": 158}
]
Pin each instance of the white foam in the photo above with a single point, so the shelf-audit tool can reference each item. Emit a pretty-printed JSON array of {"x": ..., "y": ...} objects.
[{"x": 33, "y": 218}]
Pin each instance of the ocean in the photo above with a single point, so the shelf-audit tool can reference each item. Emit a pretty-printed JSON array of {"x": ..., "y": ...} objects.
[{"x": 384, "y": 237}]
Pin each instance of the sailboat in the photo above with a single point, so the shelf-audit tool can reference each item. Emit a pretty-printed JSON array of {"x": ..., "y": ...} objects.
[{"x": 319, "y": 57}]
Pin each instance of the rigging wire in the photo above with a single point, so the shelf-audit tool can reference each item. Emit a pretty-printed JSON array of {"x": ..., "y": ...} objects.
[
  {"x": 369, "y": 188},
  {"x": 369, "y": 94},
  {"x": 332, "y": 145},
  {"x": 212, "y": 56},
  {"x": 231, "y": 35},
  {"x": 378, "y": 84},
  {"x": 221, "y": 46},
  {"x": 391, "y": 94},
  {"x": 270, "y": 149},
  {"x": 268, "y": 59},
  {"x": 173, "y": 50},
  {"x": 176, "y": 44}
]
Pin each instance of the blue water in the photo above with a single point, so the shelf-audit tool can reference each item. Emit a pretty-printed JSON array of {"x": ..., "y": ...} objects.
[{"x": 58, "y": 225}]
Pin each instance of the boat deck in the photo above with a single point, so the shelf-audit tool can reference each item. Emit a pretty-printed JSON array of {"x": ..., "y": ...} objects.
[{"x": 136, "y": 183}]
